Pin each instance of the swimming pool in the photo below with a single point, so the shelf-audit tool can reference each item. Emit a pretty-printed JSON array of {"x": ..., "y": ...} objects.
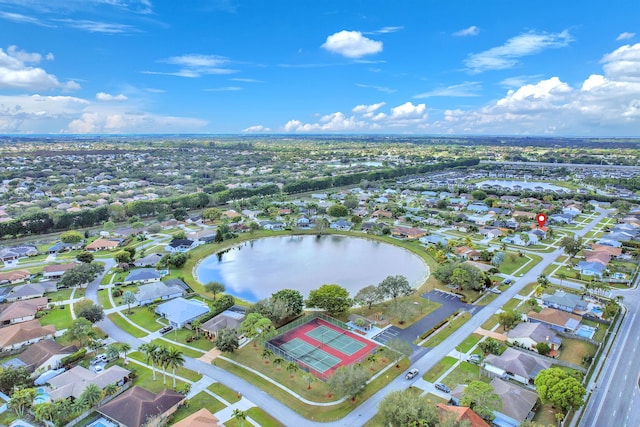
[
  {"x": 102, "y": 422},
  {"x": 41, "y": 396},
  {"x": 586, "y": 331},
  {"x": 596, "y": 310}
]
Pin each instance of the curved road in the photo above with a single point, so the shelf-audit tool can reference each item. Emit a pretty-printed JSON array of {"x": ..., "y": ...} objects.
[{"x": 368, "y": 409}]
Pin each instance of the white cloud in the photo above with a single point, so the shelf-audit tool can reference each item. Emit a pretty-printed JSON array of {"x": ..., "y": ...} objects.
[
  {"x": 37, "y": 113},
  {"x": 507, "y": 55},
  {"x": 471, "y": 31},
  {"x": 15, "y": 73},
  {"x": 196, "y": 65},
  {"x": 378, "y": 88},
  {"x": 367, "y": 108},
  {"x": 225, "y": 89},
  {"x": 623, "y": 63},
  {"x": 97, "y": 26},
  {"x": 517, "y": 81},
  {"x": 101, "y": 96},
  {"x": 466, "y": 89},
  {"x": 246, "y": 80},
  {"x": 351, "y": 44},
  {"x": 385, "y": 30},
  {"x": 625, "y": 36},
  {"x": 132, "y": 122},
  {"x": 23, "y": 19},
  {"x": 256, "y": 129}
]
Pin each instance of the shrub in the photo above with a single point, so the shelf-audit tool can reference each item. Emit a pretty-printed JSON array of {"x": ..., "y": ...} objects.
[{"x": 74, "y": 357}]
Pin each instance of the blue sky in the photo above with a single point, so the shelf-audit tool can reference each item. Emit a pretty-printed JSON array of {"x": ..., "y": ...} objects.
[{"x": 297, "y": 66}]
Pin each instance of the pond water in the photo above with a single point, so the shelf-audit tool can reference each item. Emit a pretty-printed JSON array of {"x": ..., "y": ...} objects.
[{"x": 257, "y": 268}]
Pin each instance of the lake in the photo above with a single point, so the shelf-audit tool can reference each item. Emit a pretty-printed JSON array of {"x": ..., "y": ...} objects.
[{"x": 257, "y": 268}]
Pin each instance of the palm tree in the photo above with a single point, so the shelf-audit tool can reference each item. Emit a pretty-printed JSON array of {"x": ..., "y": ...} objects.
[
  {"x": 240, "y": 416},
  {"x": 162, "y": 354},
  {"x": 44, "y": 411},
  {"x": 292, "y": 367},
  {"x": 371, "y": 359},
  {"x": 110, "y": 389},
  {"x": 308, "y": 378},
  {"x": 278, "y": 361},
  {"x": 196, "y": 324},
  {"x": 175, "y": 359},
  {"x": 91, "y": 396},
  {"x": 124, "y": 348},
  {"x": 561, "y": 275},
  {"x": 128, "y": 298},
  {"x": 150, "y": 351},
  {"x": 266, "y": 355},
  {"x": 112, "y": 351}
]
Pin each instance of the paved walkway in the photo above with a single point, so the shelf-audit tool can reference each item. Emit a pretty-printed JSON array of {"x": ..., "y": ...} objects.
[{"x": 491, "y": 334}]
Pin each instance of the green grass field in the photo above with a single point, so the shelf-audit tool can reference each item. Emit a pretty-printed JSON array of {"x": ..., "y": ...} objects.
[
  {"x": 439, "y": 369},
  {"x": 61, "y": 319},
  {"x": 126, "y": 326},
  {"x": 447, "y": 330},
  {"x": 200, "y": 400}
]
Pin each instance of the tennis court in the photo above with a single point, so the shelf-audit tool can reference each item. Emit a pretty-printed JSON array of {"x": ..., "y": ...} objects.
[
  {"x": 310, "y": 355},
  {"x": 336, "y": 339}
]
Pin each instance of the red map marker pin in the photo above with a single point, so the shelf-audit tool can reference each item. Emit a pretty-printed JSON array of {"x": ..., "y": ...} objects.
[{"x": 542, "y": 219}]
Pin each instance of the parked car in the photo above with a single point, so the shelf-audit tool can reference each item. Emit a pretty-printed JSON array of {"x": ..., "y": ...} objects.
[
  {"x": 99, "y": 359},
  {"x": 507, "y": 281},
  {"x": 495, "y": 290},
  {"x": 474, "y": 358},
  {"x": 442, "y": 387},
  {"x": 412, "y": 374},
  {"x": 166, "y": 329},
  {"x": 98, "y": 369}
]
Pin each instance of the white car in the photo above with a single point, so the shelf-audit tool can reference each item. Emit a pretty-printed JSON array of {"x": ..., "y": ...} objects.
[
  {"x": 495, "y": 290},
  {"x": 98, "y": 369}
]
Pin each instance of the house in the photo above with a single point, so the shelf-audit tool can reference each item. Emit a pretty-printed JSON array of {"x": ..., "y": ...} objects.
[
  {"x": 556, "y": 319},
  {"x": 461, "y": 414},
  {"x": 272, "y": 225},
  {"x": 21, "y": 311},
  {"x": 407, "y": 232},
  {"x": 74, "y": 381},
  {"x": 490, "y": 233},
  {"x": 520, "y": 240},
  {"x": 434, "y": 239},
  {"x": 180, "y": 311},
  {"x": 148, "y": 261},
  {"x": 143, "y": 275},
  {"x": 19, "y": 335},
  {"x": 57, "y": 270},
  {"x": 609, "y": 242},
  {"x": 180, "y": 245},
  {"x": 594, "y": 269},
  {"x": 564, "y": 301},
  {"x": 157, "y": 291},
  {"x": 15, "y": 276},
  {"x": 42, "y": 356},
  {"x": 102, "y": 245},
  {"x": 341, "y": 224},
  {"x": 613, "y": 252},
  {"x": 601, "y": 257},
  {"x": 30, "y": 290},
  {"x": 137, "y": 407},
  {"x": 561, "y": 218},
  {"x": 528, "y": 335},
  {"x": 63, "y": 247},
  {"x": 177, "y": 283},
  {"x": 226, "y": 319},
  {"x": 478, "y": 208},
  {"x": 381, "y": 214},
  {"x": 201, "y": 418},
  {"x": 12, "y": 254},
  {"x": 517, "y": 403},
  {"x": 515, "y": 365}
]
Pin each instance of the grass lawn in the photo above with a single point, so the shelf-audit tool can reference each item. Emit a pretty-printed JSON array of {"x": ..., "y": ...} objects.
[
  {"x": 545, "y": 416},
  {"x": 145, "y": 380},
  {"x": 464, "y": 373},
  {"x": 200, "y": 400},
  {"x": 143, "y": 317},
  {"x": 224, "y": 392},
  {"x": 103, "y": 299},
  {"x": 126, "y": 326},
  {"x": 511, "y": 304},
  {"x": 262, "y": 418},
  {"x": 469, "y": 342},
  {"x": 61, "y": 294},
  {"x": 528, "y": 289},
  {"x": 423, "y": 308},
  {"x": 447, "y": 330},
  {"x": 316, "y": 413},
  {"x": 600, "y": 333},
  {"x": 234, "y": 423},
  {"x": 187, "y": 351},
  {"x": 181, "y": 335},
  {"x": 512, "y": 262},
  {"x": 573, "y": 351},
  {"x": 490, "y": 323},
  {"x": 487, "y": 298},
  {"x": 180, "y": 371},
  {"x": 535, "y": 259},
  {"x": 106, "y": 279},
  {"x": 439, "y": 369},
  {"x": 61, "y": 319}
]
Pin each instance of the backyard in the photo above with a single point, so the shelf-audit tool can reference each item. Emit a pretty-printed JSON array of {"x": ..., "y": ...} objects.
[{"x": 575, "y": 351}]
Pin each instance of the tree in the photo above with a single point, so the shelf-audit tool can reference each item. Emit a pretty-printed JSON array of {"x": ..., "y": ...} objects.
[
  {"x": 239, "y": 416},
  {"x": 219, "y": 238},
  {"x": 12, "y": 378},
  {"x": 543, "y": 281},
  {"x": 293, "y": 300},
  {"x": 124, "y": 348},
  {"x": 128, "y": 298},
  {"x": 561, "y": 275},
  {"x": 163, "y": 357},
  {"x": 150, "y": 351},
  {"x": 21, "y": 400},
  {"x": 266, "y": 355},
  {"x": 44, "y": 411},
  {"x": 571, "y": 245},
  {"x": 174, "y": 360},
  {"x": 401, "y": 348},
  {"x": 510, "y": 318},
  {"x": 348, "y": 380},
  {"x": 497, "y": 259},
  {"x": 460, "y": 278},
  {"x": 543, "y": 348},
  {"x": 480, "y": 397},
  {"x": 368, "y": 296},
  {"x": 85, "y": 257},
  {"x": 82, "y": 274},
  {"x": 91, "y": 395},
  {"x": 332, "y": 298},
  {"x": 90, "y": 311},
  {"x": 292, "y": 368},
  {"x": 212, "y": 214},
  {"x": 395, "y": 286},
  {"x": 338, "y": 210},
  {"x": 478, "y": 195},
  {"x": 71, "y": 237},
  {"x": 490, "y": 346},
  {"x": 557, "y": 387},
  {"x": 402, "y": 310},
  {"x": 80, "y": 330},
  {"x": 215, "y": 288},
  {"x": 404, "y": 408},
  {"x": 110, "y": 389},
  {"x": 227, "y": 340},
  {"x": 255, "y": 325},
  {"x": 224, "y": 302}
]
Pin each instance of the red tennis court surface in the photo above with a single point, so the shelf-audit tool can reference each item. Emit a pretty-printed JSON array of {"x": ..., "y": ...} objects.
[{"x": 315, "y": 346}]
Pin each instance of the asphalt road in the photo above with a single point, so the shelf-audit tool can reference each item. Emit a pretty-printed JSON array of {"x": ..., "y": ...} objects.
[{"x": 424, "y": 362}]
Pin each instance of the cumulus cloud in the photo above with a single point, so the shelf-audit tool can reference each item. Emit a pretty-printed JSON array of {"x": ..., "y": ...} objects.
[
  {"x": 507, "y": 55},
  {"x": 196, "y": 65},
  {"x": 623, "y": 63},
  {"x": 625, "y": 36},
  {"x": 365, "y": 118},
  {"x": 36, "y": 113},
  {"x": 351, "y": 44},
  {"x": 101, "y": 96},
  {"x": 470, "y": 31},
  {"x": 132, "y": 122},
  {"x": 256, "y": 129},
  {"x": 16, "y": 73}
]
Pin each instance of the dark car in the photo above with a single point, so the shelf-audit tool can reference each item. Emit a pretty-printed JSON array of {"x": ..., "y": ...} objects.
[
  {"x": 411, "y": 374},
  {"x": 442, "y": 387},
  {"x": 507, "y": 281}
]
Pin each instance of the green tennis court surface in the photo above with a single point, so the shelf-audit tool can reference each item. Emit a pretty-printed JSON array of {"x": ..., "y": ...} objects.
[
  {"x": 310, "y": 355},
  {"x": 332, "y": 338}
]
